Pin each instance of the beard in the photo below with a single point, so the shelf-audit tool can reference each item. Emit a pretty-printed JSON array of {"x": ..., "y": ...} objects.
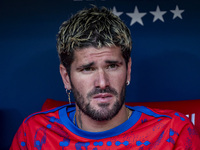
[{"x": 103, "y": 113}]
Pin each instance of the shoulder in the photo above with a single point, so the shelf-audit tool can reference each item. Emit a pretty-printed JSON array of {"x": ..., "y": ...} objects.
[
  {"x": 173, "y": 116},
  {"x": 47, "y": 114},
  {"x": 171, "y": 119}
]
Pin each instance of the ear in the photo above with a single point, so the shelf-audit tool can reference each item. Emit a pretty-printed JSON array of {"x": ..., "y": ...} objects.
[
  {"x": 129, "y": 70},
  {"x": 65, "y": 77}
]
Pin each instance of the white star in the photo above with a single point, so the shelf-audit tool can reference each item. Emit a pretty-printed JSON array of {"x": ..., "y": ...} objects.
[
  {"x": 115, "y": 12},
  {"x": 177, "y": 12},
  {"x": 136, "y": 16},
  {"x": 158, "y": 14}
]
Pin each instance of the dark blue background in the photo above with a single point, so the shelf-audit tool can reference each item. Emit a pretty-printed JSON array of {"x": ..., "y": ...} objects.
[{"x": 166, "y": 55}]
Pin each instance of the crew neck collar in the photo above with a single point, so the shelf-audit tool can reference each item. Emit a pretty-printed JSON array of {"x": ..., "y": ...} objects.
[{"x": 97, "y": 135}]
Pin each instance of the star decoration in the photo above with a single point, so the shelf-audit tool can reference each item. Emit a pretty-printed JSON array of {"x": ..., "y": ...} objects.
[
  {"x": 177, "y": 12},
  {"x": 158, "y": 14},
  {"x": 136, "y": 16},
  {"x": 116, "y": 12}
]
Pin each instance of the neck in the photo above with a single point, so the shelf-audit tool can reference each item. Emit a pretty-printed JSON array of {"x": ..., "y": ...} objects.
[{"x": 86, "y": 123}]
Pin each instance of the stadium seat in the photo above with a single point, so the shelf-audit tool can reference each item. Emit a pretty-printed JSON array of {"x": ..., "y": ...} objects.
[{"x": 191, "y": 108}]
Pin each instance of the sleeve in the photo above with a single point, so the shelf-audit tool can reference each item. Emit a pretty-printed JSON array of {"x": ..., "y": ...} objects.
[
  {"x": 19, "y": 140},
  {"x": 188, "y": 138}
]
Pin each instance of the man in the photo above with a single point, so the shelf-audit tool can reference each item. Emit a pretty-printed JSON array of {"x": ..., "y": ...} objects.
[{"x": 94, "y": 47}]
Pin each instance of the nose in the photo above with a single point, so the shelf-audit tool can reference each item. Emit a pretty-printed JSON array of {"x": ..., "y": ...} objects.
[{"x": 102, "y": 80}]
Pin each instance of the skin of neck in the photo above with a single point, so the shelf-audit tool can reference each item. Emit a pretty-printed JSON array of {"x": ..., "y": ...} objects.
[{"x": 86, "y": 123}]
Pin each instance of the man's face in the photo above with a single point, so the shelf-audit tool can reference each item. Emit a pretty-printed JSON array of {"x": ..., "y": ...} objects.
[{"x": 98, "y": 80}]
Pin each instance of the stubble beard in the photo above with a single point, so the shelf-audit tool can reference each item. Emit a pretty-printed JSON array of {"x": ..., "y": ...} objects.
[{"x": 104, "y": 113}]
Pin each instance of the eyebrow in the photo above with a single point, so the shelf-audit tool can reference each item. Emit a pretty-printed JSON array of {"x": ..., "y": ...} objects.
[
  {"x": 86, "y": 65},
  {"x": 113, "y": 62},
  {"x": 92, "y": 63}
]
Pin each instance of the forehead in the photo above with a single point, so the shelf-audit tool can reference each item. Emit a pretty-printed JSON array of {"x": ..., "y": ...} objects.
[{"x": 94, "y": 54}]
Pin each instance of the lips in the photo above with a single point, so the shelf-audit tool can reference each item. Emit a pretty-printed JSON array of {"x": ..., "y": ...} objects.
[{"x": 103, "y": 96}]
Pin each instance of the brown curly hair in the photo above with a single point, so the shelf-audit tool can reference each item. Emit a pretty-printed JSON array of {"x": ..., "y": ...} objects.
[{"x": 92, "y": 27}]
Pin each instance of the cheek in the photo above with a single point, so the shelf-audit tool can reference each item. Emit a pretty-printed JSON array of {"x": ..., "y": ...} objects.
[
  {"x": 81, "y": 84},
  {"x": 118, "y": 80}
]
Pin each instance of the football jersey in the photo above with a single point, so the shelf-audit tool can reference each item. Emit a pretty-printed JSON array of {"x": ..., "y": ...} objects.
[{"x": 146, "y": 129}]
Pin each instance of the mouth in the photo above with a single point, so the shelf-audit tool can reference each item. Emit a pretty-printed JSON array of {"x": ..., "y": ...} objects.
[{"x": 103, "y": 97}]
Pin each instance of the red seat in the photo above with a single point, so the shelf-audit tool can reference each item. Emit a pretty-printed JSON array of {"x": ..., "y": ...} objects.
[{"x": 190, "y": 108}]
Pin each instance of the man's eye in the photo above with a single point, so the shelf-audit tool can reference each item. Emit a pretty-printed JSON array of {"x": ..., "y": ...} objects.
[
  {"x": 87, "y": 69},
  {"x": 112, "y": 66}
]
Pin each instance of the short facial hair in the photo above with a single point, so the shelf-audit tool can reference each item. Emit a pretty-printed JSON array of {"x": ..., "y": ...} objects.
[{"x": 104, "y": 113}]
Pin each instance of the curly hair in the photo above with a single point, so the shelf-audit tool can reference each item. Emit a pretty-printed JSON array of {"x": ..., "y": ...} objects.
[{"x": 92, "y": 27}]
